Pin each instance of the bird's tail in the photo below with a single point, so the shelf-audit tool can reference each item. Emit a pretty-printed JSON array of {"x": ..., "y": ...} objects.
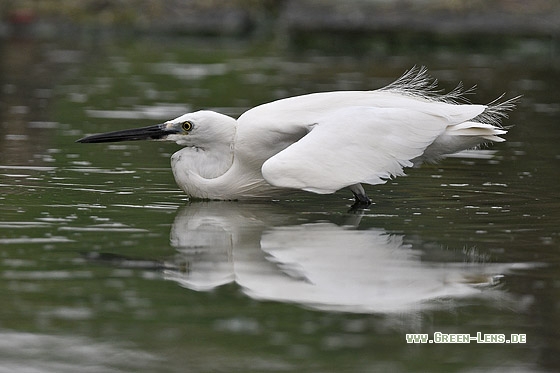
[
  {"x": 483, "y": 131},
  {"x": 485, "y": 127}
]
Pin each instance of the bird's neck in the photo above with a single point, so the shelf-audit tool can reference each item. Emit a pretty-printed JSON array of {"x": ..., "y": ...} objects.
[
  {"x": 213, "y": 175},
  {"x": 207, "y": 163}
]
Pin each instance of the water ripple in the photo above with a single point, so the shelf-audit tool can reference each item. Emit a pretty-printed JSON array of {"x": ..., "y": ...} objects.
[{"x": 20, "y": 240}]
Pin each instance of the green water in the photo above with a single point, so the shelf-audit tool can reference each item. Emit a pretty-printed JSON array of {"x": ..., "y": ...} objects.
[{"x": 106, "y": 266}]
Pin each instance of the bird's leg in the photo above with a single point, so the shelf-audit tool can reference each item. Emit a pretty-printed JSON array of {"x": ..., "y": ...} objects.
[{"x": 360, "y": 195}]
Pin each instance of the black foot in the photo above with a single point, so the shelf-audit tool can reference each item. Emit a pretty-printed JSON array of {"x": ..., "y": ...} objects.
[{"x": 361, "y": 201}]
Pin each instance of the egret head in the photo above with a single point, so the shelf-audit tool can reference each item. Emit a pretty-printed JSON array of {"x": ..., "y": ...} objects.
[{"x": 201, "y": 128}]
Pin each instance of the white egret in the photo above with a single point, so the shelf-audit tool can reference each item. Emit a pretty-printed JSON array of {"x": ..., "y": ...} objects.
[{"x": 321, "y": 142}]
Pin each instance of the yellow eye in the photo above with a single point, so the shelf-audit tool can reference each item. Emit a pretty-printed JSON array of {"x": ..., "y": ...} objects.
[{"x": 187, "y": 126}]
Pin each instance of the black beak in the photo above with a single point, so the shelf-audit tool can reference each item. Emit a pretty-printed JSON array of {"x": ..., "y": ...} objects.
[{"x": 154, "y": 132}]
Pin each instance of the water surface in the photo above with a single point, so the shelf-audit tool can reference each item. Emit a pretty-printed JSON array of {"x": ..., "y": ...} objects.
[{"x": 106, "y": 266}]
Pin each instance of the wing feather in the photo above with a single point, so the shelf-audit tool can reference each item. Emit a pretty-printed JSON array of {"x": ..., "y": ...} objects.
[{"x": 359, "y": 144}]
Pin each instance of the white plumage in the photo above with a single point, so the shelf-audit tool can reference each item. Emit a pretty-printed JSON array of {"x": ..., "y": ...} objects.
[{"x": 322, "y": 142}]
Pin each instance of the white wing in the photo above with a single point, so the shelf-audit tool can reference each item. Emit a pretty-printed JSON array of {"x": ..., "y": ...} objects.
[{"x": 360, "y": 145}]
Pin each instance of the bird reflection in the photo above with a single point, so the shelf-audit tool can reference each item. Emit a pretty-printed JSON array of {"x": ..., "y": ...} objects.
[{"x": 321, "y": 265}]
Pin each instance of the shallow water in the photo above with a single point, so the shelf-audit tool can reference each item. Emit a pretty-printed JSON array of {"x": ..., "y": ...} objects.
[{"x": 106, "y": 266}]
